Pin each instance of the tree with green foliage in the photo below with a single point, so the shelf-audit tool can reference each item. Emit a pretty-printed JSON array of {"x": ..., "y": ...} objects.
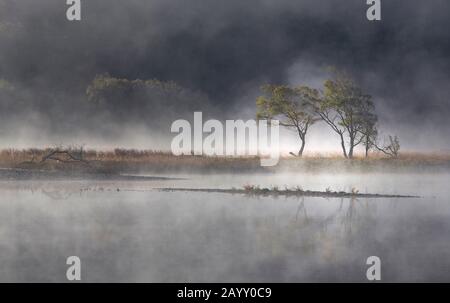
[
  {"x": 105, "y": 88},
  {"x": 370, "y": 135},
  {"x": 369, "y": 128},
  {"x": 348, "y": 111},
  {"x": 151, "y": 102},
  {"x": 290, "y": 106}
]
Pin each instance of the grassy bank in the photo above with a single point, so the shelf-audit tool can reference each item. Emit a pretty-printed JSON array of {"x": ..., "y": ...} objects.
[{"x": 135, "y": 161}]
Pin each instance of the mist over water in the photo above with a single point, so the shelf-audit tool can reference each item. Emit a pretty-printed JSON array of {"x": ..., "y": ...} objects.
[
  {"x": 127, "y": 70},
  {"x": 139, "y": 234}
]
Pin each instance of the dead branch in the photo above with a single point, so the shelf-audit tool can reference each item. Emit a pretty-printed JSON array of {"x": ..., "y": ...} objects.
[{"x": 56, "y": 155}]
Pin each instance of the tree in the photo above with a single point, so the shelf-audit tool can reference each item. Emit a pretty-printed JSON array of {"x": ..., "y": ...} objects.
[
  {"x": 146, "y": 102},
  {"x": 391, "y": 147},
  {"x": 290, "y": 106},
  {"x": 369, "y": 128},
  {"x": 369, "y": 138},
  {"x": 348, "y": 111}
]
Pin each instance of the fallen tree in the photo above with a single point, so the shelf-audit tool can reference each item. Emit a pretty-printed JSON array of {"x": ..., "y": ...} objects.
[{"x": 64, "y": 156}]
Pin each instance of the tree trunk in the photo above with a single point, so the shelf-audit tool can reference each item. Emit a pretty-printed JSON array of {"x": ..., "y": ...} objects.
[
  {"x": 350, "y": 153},
  {"x": 352, "y": 145},
  {"x": 343, "y": 145},
  {"x": 300, "y": 152},
  {"x": 367, "y": 146}
]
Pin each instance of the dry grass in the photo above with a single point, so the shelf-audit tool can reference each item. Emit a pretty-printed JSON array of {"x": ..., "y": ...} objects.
[
  {"x": 124, "y": 160},
  {"x": 132, "y": 160},
  {"x": 403, "y": 156}
]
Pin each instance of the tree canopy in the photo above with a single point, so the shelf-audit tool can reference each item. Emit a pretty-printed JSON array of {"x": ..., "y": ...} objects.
[
  {"x": 290, "y": 106},
  {"x": 341, "y": 104}
]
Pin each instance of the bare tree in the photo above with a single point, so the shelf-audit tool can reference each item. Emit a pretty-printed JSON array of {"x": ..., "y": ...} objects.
[{"x": 391, "y": 147}]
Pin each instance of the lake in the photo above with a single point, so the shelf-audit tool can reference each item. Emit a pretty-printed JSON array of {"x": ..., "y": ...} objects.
[{"x": 131, "y": 232}]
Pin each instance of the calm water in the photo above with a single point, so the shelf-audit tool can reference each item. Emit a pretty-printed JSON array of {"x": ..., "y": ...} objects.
[{"x": 141, "y": 234}]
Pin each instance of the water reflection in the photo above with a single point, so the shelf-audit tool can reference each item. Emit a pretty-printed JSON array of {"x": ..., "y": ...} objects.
[{"x": 130, "y": 232}]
